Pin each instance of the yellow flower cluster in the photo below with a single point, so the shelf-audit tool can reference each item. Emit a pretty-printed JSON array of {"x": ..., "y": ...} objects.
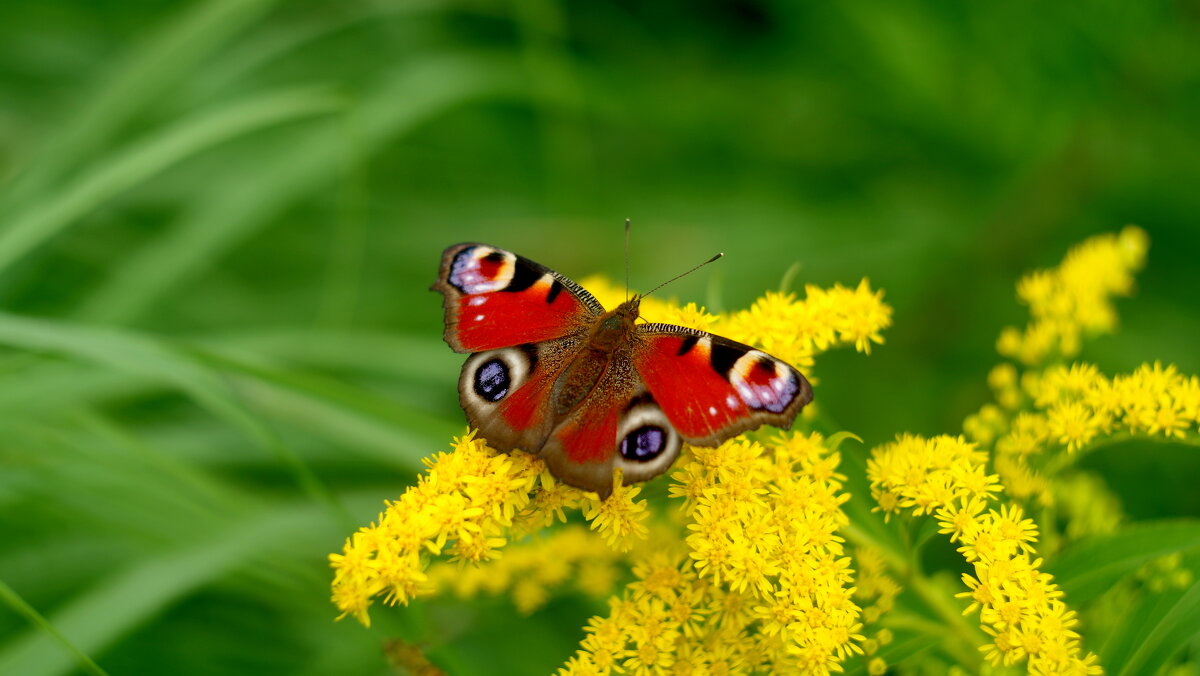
[
  {"x": 1074, "y": 299},
  {"x": 764, "y": 583},
  {"x": 466, "y": 505},
  {"x": 1019, "y": 605},
  {"x": 795, "y": 330},
  {"x": 789, "y": 328},
  {"x": 1073, "y": 406},
  {"x": 1044, "y": 417},
  {"x": 569, "y": 557},
  {"x": 874, "y": 583},
  {"x": 1046, "y": 414}
]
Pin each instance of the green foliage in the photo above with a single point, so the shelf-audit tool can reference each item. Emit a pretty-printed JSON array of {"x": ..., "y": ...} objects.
[{"x": 219, "y": 220}]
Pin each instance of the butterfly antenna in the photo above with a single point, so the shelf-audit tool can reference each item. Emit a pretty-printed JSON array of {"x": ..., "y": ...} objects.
[
  {"x": 627, "y": 260},
  {"x": 714, "y": 258}
]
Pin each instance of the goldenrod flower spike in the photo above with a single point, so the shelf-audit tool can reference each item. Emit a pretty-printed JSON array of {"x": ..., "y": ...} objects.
[
  {"x": 536, "y": 570},
  {"x": 1072, "y": 407},
  {"x": 618, "y": 518},
  {"x": 1074, "y": 300},
  {"x": 763, "y": 584},
  {"x": 1018, "y": 604}
]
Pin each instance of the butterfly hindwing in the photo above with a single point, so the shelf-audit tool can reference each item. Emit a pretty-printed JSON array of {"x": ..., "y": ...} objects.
[
  {"x": 712, "y": 388},
  {"x": 494, "y": 298},
  {"x": 506, "y": 392},
  {"x": 612, "y": 430}
]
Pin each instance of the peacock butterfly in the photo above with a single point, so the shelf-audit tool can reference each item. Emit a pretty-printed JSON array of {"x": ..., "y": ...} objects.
[{"x": 588, "y": 390}]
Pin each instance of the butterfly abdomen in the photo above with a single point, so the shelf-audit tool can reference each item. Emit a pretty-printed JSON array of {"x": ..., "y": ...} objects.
[
  {"x": 612, "y": 333},
  {"x": 578, "y": 381}
]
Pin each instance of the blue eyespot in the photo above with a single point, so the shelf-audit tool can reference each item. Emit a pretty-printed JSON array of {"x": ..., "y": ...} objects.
[
  {"x": 644, "y": 443},
  {"x": 492, "y": 380}
]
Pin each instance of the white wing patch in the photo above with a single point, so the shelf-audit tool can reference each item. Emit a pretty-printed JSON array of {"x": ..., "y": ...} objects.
[
  {"x": 763, "y": 382},
  {"x": 482, "y": 269}
]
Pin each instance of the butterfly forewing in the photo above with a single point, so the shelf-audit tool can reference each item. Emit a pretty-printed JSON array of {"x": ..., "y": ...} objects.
[
  {"x": 712, "y": 388},
  {"x": 494, "y": 298}
]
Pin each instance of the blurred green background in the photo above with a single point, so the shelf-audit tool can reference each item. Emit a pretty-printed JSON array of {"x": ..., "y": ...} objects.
[{"x": 219, "y": 220}]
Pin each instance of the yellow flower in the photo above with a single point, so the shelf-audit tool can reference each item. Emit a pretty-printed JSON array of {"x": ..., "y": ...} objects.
[
  {"x": 619, "y": 518},
  {"x": 1072, "y": 424},
  {"x": 1066, "y": 384},
  {"x": 956, "y": 518},
  {"x": 1027, "y": 435},
  {"x": 581, "y": 664},
  {"x": 1074, "y": 298},
  {"x": 691, "y": 316},
  {"x": 794, "y": 330},
  {"x": 1013, "y": 597},
  {"x": 773, "y": 568}
]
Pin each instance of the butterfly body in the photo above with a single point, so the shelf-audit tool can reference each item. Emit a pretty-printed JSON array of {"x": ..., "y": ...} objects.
[
  {"x": 609, "y": 339},
  {"x": 588, "y": 390}
]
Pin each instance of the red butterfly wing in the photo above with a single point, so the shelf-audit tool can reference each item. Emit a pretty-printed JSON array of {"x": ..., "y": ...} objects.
[
  {"x": 495, "y": 298},
  {"x": 506, "y": 392},
  {"x": 613, "y": 429},
  {"x": 712, "y": 388}
]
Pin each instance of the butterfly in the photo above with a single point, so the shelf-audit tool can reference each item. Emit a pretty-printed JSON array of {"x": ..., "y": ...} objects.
[{"x": 553, "y": 373}]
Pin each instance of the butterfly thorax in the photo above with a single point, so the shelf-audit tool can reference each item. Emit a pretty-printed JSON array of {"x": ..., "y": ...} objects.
[
  {"x": 615, "y": 328},
  {"x": 612, "y": 333}
]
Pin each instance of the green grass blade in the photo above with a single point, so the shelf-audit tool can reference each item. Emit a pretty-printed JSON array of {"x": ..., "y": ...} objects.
[
  {"x": 1092, "y": 567},
  {"x": 392, "y": 434},
  {"x": 140, "y": 77},
  {"x": 140, "y": 355},
  {"x": 119, "y": 604},
  {"x": 56, "y": 387},
  {"x": 240, "y": 203},
  {"x": 13, "y": 600},
  {"x": 346, "y": 350},
  {"x": 1158, "y": 629},
  {"x": 152, "y": 155}
]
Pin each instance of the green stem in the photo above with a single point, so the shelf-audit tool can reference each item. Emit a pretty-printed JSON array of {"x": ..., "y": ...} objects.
[
  {"x": 1063, "y": 459},
  {"x": 970, "y": 637},
  {"x": 18, "y": 604},
  {"x": 946, "y": 609},
  {"x": 962, "y": 653}
]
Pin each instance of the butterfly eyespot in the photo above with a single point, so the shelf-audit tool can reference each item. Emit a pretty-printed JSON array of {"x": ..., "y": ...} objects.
[
  {"x": 481, "y": 269},
  {"x": 492, "y": 380},
  {"x": 764, "y": 383},
  {"x": 644, "y": 443},
  {"x": 489, "y": 378}
]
